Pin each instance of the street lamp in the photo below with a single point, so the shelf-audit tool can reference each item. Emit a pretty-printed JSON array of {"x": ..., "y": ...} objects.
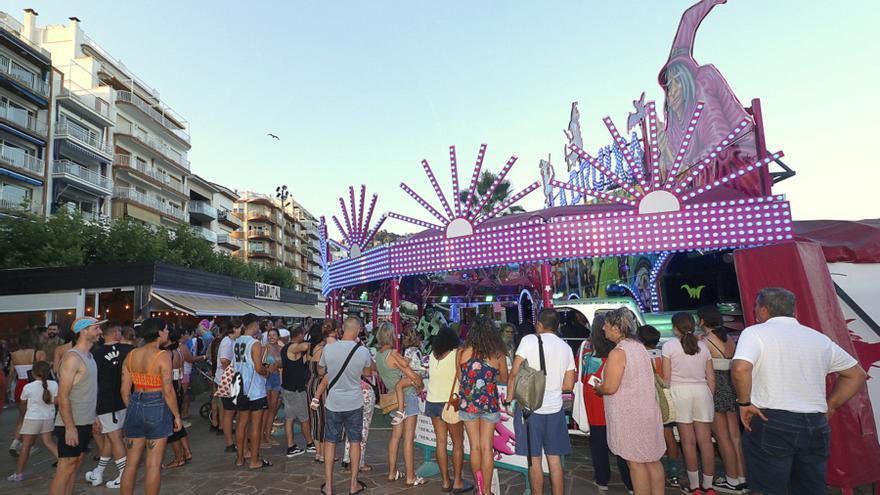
[{"x": 282, "y": 194}]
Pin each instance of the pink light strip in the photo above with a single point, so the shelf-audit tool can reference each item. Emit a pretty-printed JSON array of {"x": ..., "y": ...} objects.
[
  {"x": 653, "y": 147},
  {"x": 345, "y": 215},
  {"x": 605, "y": 170},
  {"x": 436, "y": 186},
  {"x": 472, "y": 190},
  {"x": 593, "y": 193},
  {"x": 414, "y": 221},
  {"x": 706, "y": 160},
  {"x": 627, "y": 156},
  {"x": 354, "y": 233},
  {"x": 341, "y": 231},
  {"x": 373, "y": 231},
  {"x": 424, "y": 203},
  {"x": 453, "y": 168},
  {"x": 506, "y": 204},
  {"x": 362, "y": 229},
  {"x": 734, "y": 175},
  {"x": 473, "y": 214},
  {"x": 370, "y": 214},
  {"x": 685, "y": 143}
]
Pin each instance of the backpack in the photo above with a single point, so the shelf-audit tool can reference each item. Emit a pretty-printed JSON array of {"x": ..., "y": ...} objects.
[{"x": 530, "y": 383}]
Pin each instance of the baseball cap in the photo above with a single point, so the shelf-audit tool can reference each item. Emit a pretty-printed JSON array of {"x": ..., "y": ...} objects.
[{"x": 84, "y": 322}]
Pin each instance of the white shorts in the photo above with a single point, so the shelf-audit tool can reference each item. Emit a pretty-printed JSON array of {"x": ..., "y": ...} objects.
[
  {"x": 693, "y": 402},
  {"x": 107, "y": 423},
  {"x": 37, "y": 426}
]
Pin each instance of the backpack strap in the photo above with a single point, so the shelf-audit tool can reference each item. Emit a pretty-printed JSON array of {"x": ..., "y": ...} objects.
[{"x": 344, "y": 365}]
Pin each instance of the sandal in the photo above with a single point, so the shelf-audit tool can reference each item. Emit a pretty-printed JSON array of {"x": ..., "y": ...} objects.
[
  {"x": 189, "y": 457},
  {"x": 322, "y": 488},
  {"x": 397, "y": 417},
  {"x": 366, "y": 468},
  {"x": 174, "y": 464},
  {"x": 362, "y": 486},
  {"x": 395, "y": 477},
  {"x": 263, "y": 465},
  {"x": 417, "y": 482}
]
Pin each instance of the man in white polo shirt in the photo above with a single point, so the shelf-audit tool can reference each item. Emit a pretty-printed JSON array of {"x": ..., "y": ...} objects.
[{"x": 779, "y": 371}]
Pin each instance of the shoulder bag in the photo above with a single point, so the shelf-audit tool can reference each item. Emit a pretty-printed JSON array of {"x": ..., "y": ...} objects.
[{"x": 530, "y": 383}]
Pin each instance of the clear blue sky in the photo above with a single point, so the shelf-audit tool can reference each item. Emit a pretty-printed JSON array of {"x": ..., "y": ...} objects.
[{"x": 360, "y": 92}]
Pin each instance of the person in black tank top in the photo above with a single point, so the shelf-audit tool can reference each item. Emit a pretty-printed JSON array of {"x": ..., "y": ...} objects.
[{"x": 294, "y": 381}]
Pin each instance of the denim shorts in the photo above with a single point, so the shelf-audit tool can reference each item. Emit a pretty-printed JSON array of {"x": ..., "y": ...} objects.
[
  {"x": 352, "y": 422},
  {"x": 547, "y": 434},
  {"x": 434, "y": 409},
  {"x": 410, "y": 403},
  {"x": 147, "y": 416},
  {"x": 489, "y": 417},
  {"x": 273, "y": 382}
]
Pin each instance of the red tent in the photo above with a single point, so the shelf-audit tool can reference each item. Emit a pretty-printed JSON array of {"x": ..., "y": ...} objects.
[{"x": 842, "y": 240}]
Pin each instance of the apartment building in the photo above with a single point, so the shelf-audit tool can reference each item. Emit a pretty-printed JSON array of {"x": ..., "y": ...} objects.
[
  {"x": 227, "y": 222},
  {"x": 262, "y": 227},
  {"x": 311, "y": 252},
  {"x": 25, "y": 111}
]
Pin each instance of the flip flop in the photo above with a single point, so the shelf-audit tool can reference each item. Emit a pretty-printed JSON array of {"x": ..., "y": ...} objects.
[
  {"x": 446, "y": 489},
  {"x": 263, "y": 465},
  {"x": 366, "y": 468},
  {"x": 322, "y": 488},
  {"x": 174, "y": 464},
  {"x": 395, "y": 477},
  {"x": 362, "y": 486},
  {"x": 418, "y": 481}
]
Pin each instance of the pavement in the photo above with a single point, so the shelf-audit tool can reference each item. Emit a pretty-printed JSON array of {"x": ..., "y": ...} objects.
[{"x": 213, "y": 471}]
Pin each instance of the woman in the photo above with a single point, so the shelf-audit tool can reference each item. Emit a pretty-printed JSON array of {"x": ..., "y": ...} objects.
[
  {"x": 442, "y": 366},
  {"x": 320, "y": 335},
  {"x": 725, "y": 425},
  {"x": 151, "y": 413},
  {"x": 367, "y": 385},
  {"x": 38, "y": 422},
  {"x": 179, "y": 439},
  {"x": 594, "y": 365},
  {"x": 271, "y": 355},
  {"x": 392, "y": 368},
  {"x": 508, "y": 336},
  {"x": 482, "y": 365},
  {"x": 23, "y": 360},
  {"x": 687, "y": 367},
  {"x": 634, "y": 424}
]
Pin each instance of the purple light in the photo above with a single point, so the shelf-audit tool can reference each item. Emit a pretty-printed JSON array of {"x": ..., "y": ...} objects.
[
  {"x": 506, "y": 204},
  {"x": 424, "y": 203},
  {"x": 414, "y": 221},
  {"x": 706, "y": 160},
  {"x": 453, "y": 169},
  {"x": 353, "y": 230},
  {"x": 374, "y": 230},
  {"x": 476, "y": 211},
  {"x": 347, "y": 222},
  {"x": 593, "y": 193},
  {"x": 624, "y": 149},
  {"x": 735, "y": 175},
  {"x": 370, "y": 217},
  {"x": 686, "y": 141},
  {"x": 475, "y": 177},
  {"x": 342, "y": 231},
  {"x": 436, "y": 186},
  {"x": 362, "y": 227},
  {"x": 605, "y": 170}
]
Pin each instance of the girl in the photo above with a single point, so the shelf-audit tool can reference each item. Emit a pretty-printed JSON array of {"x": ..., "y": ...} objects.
[
  {"x": 319, "y": 335},
  {"x": 39, "y": 419},
  {"x": 687, "y": 367},
  {"x": 413, "y": 353},
  {"x": 179, "y": 439},
  {"x": 271, "y": 355},
  {"x": 23, "y": 361}
]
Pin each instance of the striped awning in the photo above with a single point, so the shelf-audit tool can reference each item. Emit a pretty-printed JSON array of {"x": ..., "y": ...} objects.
[{"x": 21, "y": 177}]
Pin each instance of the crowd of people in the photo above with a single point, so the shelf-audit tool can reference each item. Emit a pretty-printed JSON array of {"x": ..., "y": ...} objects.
[{"x": 762, "y": 398}]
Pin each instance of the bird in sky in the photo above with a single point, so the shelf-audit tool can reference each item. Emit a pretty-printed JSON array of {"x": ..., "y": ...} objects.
[{"x": 273, "y": 136}]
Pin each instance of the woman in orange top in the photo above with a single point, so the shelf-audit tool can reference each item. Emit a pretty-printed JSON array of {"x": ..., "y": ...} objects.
[{"x": 151, "y": 406}]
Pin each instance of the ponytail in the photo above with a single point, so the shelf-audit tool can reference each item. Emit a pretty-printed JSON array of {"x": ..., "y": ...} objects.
[
  {"x": 712, "y": 319},
  {"x": 684, "y": 323},
  {"x": 41, "y": 372}
]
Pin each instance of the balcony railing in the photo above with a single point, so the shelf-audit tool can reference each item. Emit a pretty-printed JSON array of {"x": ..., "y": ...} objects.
[
  {"x": 203, "y": 208},
  {"x": 67, "y": 167},
  {"x": 206, "y": 234},
  {"x": 262, "y": 234},
  {"x": 228, "y": 240},
  {"x": 85, "y": 97},
  {"x": 126, "y": 161},
  {"x": 28, "y": 79},
  {"x": 228, "y": 217},
  {"x": 23, "y": 118},
  {"x": 13, "y": 26},
  {"x": 83, "y": 136},
  {"x": 156, "y": 145},
  {"x": 133, "y": 99},
  {"x": 141, "y": 198},
  {"x": 18, "y": 158},
  {"x": 32, "y": 205}
]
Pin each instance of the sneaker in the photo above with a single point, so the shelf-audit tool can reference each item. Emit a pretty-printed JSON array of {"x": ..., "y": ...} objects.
[
  {"x": 310, "y": 448},
  {"x": 187, "y": 424},
  {"x": 14, "y": 448},
  {"x": 15, "y": 477},
  {"x": 602, "y": 488},
  {"x": 721, "y": 484},
  {"x": 95, "y": 477},
  {"x": 294, "y": 451},
  {"x": 673, "y": 482},
  {"x": 114, "y": 483},
  {"x": 743, "y": 487}
]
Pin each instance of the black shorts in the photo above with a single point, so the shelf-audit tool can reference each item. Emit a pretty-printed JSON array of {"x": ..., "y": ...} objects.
[
  {"x": 253, "y": 405},
  {"x": 228, "y": 405},
  {"x": 84, "y": 432}
]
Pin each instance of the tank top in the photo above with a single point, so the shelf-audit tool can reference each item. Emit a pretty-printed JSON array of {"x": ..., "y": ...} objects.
[
  {"x": 442, "y": 374},
  {"x": 254, "y": 383},
  {"x": 294, "y": 372},
  {"x": 478, "y": 386},
  {"x": 389, "y": 376},
  {"x": 108, "y": 360},
  {"x": 83, "y": 394}
]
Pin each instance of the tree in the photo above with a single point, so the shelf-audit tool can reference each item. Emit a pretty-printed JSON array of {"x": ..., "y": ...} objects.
[
  {"x": 384, "y": 237},
  {"x": 499, "y": 195}
]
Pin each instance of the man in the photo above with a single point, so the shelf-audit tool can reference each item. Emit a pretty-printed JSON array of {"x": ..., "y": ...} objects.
[
  {"x": 77, "y": 398},
  {"x": 294, "y": 375},
  {"x": 779, "y": 371},
  {"x": 225, "y": 355},
  {"x": 52, "y": 340},
  {"x": 345, "y": 400},
  {"x": 109, "y": 357},
  {"x": 248, "y": 354},
  {"x": 546, "y": 427}
]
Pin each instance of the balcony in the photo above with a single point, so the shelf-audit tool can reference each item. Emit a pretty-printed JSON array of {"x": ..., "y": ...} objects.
[
  {"x": 168, "y": 153},
  {"x": 228, "y": 241},
  {"x": 203, "y": 233},
  {"x": 14, "y": 27},
  {"x": 141, "y": 169},
  {"x": 68, "y": 170},
  {"x": 85, "y": 137},
  {"x": 131, "y": 194},
  {"x": 23, "y": 119},
  {"x": 14, "y": 206},
  {"x": 202, "y": 210},
  {"x": 87, "y": 99},
  {"x": 179, "y": 131},
  {"x": 261, "y": 253},
  {"x": 21, "y": 160},
  {"x": 27, "y": 79},
  {"x": 229, "y": 219},
  {"x": 261, "y": 215},
  {"x": 262, "y": 234}
]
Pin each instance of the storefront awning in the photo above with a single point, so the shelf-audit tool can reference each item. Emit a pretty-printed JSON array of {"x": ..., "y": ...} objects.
[
  {"x": 53, "y": 301},
  {"x": 205, "y": 304},
  {"x": 313, "y": 311},
  {"x": 276, "y": 308}
]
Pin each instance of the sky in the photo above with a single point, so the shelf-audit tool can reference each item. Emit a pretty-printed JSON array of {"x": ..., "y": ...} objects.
[{"x": 361, "y": 92}]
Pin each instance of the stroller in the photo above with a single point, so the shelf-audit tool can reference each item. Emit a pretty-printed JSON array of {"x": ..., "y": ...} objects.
[{"x": 202, "y": 382}]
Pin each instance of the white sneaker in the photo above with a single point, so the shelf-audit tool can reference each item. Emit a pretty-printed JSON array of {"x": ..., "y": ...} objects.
[
  {"x": 95, "y": 478},
  {"x": 114, "y": 483}
]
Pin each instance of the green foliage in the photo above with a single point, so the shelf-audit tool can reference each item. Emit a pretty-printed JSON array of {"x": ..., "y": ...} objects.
[
  {"x": 499, "y": 195},
  {"x": 66, "y": 239}
]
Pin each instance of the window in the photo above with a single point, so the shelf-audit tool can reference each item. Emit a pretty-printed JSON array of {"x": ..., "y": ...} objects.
[{"x": 14, "y": 195}]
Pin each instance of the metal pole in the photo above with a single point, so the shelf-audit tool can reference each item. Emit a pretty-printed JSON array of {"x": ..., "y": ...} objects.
[
  {"x": 395, "y": 308},
  {"x": 546, "y": 285}
]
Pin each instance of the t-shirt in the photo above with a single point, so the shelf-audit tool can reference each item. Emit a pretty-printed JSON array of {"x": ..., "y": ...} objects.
[
  {"x": 558, "y": 360},
  {"x": 224, "y": 352},
  {"x": 109, "y": 359},
  {"x": 254, "y": 383},
  {"x": 36, "y": 406},
  {"x": 346, "y": 394},
  {"x": 686, "y": 369},
  {"x": 790, "y": 362}
]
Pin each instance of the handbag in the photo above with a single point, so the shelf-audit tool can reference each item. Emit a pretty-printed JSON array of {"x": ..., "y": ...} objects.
[
  {"x": 224, "y": 389},
  {"x": 530, "y": 383},
  {"x": 450, "y": 410},
  {"x": 579, "y": 409},
  {"x": 387, "y": 402},
  {"x": 664, "y": 398}
]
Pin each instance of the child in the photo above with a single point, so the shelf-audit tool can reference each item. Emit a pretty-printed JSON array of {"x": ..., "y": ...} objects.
[
  {"x": 39, "y": 420},
  {"x": 412, "y": 344}
]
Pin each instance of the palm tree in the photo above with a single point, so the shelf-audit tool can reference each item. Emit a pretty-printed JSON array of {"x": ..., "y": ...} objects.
[{"x": 499, "y": 195}]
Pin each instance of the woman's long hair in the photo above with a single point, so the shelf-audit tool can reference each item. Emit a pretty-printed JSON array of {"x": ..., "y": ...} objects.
[
  {"x": 712, "y": 319},
  {"x": 41, "y": 372},
  {"x": 602, "y": 347},
  {"x": 446, "y": 340},
  {"x": 485, "y": 339},
  {"x": 315, "y": 336},
  {"x": 684, "y": 323}
]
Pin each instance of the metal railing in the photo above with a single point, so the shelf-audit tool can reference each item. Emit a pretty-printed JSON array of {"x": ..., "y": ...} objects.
[
  {"x": 32, "y": 205},
  {"x": 158, "y": 146},
  {"x": 258, "y": 233},
  {"x": 228, "y": 216},
  {"x": 133, "y": 99},
  {"x": 228, "y": 240},
  {"x": 126, "y": 161},
  {"x": 67, "y": 167},
  {"x": 206, "y": 234},
  {"x": 202, "y": 207},
  {"x": 83, "y": 136},
  {"x": 18, "y": 158},
  {"x": 85, "y": 97},
  {"x": 23, "y": 118},
  {"x": 13, "y": 26},
  {"x": 154, "y": 203}
]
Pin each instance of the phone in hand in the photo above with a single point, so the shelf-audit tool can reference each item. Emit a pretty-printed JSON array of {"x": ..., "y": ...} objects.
[{"x": 594, "y": 381}]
